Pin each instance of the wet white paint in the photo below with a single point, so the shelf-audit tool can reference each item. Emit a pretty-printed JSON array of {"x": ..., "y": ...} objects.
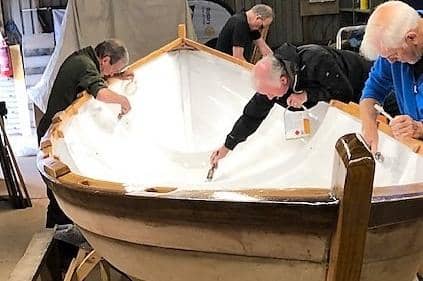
[{"x": 185, "y": 104}]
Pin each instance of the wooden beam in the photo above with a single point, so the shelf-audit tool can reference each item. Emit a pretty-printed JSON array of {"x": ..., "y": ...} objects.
[
  {"x": 29, "y": 266},
  {"x": 353, "y": 109},
  {"x": 217, "y": 53},
  {"x": 182, "y": 31},
  {"x": 354, "y": 169},
  {"x": 87, "y": 265},
  {"x": 54, "y": 168}
]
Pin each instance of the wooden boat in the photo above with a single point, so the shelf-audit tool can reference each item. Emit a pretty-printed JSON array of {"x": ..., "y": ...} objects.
[{"x": 318, "y": 208}]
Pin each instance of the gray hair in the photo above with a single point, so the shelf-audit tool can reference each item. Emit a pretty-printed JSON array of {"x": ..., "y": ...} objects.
[
  {"x": 388, "y": 33},
  {"x": 114, "y": 49},
  {"x": 277, "y": 70},
  {"x": 263, "y": 11}
]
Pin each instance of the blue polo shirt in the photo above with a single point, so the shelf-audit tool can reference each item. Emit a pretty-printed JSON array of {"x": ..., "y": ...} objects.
[{"x": 399, "y": 77}]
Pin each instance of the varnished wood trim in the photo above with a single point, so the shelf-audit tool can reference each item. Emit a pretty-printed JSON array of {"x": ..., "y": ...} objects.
[
  {"x": 397, "y": 191},
  {"x": 347, "y": 247},
  {"x": 353, "y": 109},
  {"x": 54, "y": 168},
  {"x": 182, "y": 31},
  {"x": 217, "y": 53},
  {"x": 77, "y": 181},
  {"x": 297, "y": 194}
]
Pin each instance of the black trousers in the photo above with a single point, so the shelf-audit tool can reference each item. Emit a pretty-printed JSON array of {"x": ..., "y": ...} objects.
[{"x": 55, "y": 215}]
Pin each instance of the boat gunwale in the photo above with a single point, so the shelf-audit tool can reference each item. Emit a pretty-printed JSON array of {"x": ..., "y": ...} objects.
[{"x": 297, "y": 195}]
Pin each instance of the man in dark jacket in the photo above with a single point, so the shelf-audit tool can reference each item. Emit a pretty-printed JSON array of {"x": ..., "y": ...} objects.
[
  {"x": 83, "y": 70},
  {"x": 297, "y": 76}
]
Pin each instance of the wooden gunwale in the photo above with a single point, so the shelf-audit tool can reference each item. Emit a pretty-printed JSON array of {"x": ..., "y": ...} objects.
[
  {"x": 283, "y": 215},
  {"x": 292, "y": 194}
]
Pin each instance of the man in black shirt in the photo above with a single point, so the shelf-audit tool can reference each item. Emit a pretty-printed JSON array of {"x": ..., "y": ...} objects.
[
  {"x": 297, "y": 76},
  {"x": 241, "y": 30}
]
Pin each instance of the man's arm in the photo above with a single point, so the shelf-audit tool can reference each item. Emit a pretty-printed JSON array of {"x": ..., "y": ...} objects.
[
  {"x": 376, "y": 88},
  {"x": 238, "y": 52},
  {"x": 253, "y": 115},
  {"x": 108, "y": 96},
  {"x": 263, "y": 47},
  {"x": 368, "y": 115},
  {"x": 91, "y": 81}
]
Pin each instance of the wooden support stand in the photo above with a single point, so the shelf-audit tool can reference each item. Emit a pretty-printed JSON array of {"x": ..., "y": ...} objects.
[{"x": 84, "y": 263}]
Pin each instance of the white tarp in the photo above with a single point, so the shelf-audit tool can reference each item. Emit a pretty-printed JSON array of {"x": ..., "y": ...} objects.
[
  {"x": 58, "y": 16},
  {"x": 143, "y": 25}
]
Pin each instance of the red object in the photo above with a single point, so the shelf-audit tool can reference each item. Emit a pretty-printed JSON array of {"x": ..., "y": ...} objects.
[{"x": 6, "y": 69}]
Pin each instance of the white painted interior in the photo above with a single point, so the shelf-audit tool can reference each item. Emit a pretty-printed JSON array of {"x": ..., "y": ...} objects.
[{"x": 185, "y": 104}]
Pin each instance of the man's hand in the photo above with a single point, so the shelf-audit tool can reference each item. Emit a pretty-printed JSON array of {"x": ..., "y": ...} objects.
[
  {"x": 403, "y": 126},
  {"x": 297, "y": 100},
  {"x": 217, "y": 155},
  {"x": 371, "y": 137},
  {"x": 125, "y": 75},
  {"x": 125, "y": 106}
]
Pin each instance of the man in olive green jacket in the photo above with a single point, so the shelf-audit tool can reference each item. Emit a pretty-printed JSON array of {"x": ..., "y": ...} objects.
[{"x": 85, "y": 69}]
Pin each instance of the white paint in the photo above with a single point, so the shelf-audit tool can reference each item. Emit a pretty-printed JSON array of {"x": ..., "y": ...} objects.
[{"x": 167, "y": 138}]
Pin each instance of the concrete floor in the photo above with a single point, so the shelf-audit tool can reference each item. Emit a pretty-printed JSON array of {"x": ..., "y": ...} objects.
[{"x": 18, "y": 226}]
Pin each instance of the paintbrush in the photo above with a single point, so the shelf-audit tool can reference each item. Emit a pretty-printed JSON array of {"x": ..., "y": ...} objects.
[
  {"x": 383, "y": 112},
  {"x": 210, "y": 173}
]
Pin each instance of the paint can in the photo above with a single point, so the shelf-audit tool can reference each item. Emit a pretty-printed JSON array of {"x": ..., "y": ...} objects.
[{"x": 297, "y": 124}]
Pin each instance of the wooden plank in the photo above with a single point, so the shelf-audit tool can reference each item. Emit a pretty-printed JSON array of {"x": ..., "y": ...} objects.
[
  {"x": 321, "y": 29},
  {"x": 239, "y": 5},
  {"x": 353, "y": 183},
  {"x": 353, "y": 109},
  {"x": 320, "y": 8},
  {"x": 182, "y": 31},
  {"x": 54, "y": 168},
  {"x": 87, "y": 265},
  {"x": 104, "y": 271},
  {"x": 74, "y": 180},
  {"x": 29, "y": 266},
  {"x": 71, "y": 271},
  {"x": 217, "y": 53}
]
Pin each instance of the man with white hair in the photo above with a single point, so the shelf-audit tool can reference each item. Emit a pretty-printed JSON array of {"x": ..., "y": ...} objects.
[
  {"x": 241, "y": 30},
  {"x": 394, "y": 38},
  {"x": 294, "y": 76}
]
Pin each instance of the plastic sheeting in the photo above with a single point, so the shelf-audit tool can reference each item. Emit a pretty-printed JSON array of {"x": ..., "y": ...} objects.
[
  {"x": 143, "y": 25},
  {"x": 58, "y": 16}
]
